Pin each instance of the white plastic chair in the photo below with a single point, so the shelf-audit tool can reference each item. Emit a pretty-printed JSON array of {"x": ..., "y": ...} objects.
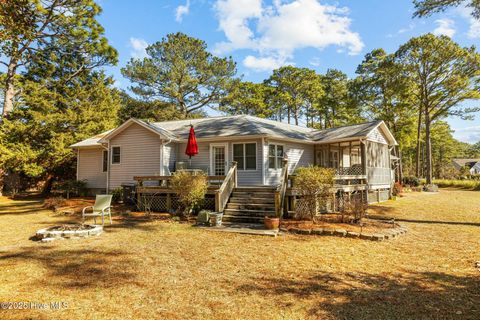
[{"x": 101, "y": 208}]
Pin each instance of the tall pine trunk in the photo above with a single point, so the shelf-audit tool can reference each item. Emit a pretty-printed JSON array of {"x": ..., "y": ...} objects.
[
  {"x": 428, "y": 146},
  {"x": 418, "y": 155},
  {"x": 9, "y": 93},
  {"x": 2, "y": 175}
]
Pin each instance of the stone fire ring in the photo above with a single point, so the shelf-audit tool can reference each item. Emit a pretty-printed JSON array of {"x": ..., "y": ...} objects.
[{"x": 50, "y": 234}]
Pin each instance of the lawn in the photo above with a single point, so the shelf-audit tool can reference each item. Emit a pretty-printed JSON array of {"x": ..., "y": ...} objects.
[{"x": 168, "y": 270}]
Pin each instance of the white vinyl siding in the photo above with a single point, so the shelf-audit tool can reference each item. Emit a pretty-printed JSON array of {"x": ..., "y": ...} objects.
[
  {"x": 202, "y": 160},
  {"x": 90, "y": 168},
  {"x": 297, "y": 154},
  {"x": 377, "y": 136},
  {"x": 140, "y": 155}
]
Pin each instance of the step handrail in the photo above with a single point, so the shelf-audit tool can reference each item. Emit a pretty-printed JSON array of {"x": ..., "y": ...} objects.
[
  {"x": 223, "y": 193},
  {"x": 281, "y": 190}
]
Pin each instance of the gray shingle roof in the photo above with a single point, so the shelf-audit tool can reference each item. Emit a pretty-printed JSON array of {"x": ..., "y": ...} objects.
[
  {"x": 459, "y": 163},
  {"x": 244, "y": 125},
  {"x": 90, "y": 142},
  {"x": 241, "y": 125},
  {"x": 345, "y": 132}
]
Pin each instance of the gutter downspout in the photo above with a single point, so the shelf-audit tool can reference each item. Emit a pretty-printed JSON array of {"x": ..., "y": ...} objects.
[{"x": 78, "y": 161}]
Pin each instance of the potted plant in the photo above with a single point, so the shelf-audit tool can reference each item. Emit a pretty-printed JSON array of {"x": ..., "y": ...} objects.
[{"x": 271, "y": 223}]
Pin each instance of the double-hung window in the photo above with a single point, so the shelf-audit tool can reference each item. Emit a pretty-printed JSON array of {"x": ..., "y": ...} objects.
[
  {"x": 275, "y": 156},
  {"x": 116, "y": 155},
  {"x": 245, "y": 154}
]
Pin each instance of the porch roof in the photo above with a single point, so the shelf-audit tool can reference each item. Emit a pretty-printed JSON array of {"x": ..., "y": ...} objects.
[{"x": 345, "y": 132}]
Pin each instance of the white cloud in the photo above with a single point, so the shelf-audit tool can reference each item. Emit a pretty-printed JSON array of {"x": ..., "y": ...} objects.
[
  {"x": 181, "y": 11},
  {"x": 315, "y": 62},
  {"x": 276, "y": 31},
  {"x": 138, "y": 47},
  {"x": 474, "y": 29},
  {"x": 468, "y": 134},
  {"x": 264, "y": 63},
  {"x": 445, "y": 27},
  {"x": 403, "y": 30},
  {"x": 410, "y": 27}
]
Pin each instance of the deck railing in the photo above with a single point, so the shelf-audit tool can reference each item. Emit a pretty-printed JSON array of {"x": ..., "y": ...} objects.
[
  {"x": 281, "y": 190},
  {"x": 223, "y": 193},
  {"x": 157, "y": 184}
]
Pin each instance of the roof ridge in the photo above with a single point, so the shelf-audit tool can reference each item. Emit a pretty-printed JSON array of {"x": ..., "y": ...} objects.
[
  {"x": 195, "y": 119},
  {"x": 279, "y": 122}
]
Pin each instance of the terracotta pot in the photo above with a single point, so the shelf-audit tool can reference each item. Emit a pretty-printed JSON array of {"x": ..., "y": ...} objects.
[{"x": 271, "y": 223}]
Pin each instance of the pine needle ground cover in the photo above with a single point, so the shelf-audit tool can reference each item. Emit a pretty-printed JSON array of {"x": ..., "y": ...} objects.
[{"x": 164, "y": 270}]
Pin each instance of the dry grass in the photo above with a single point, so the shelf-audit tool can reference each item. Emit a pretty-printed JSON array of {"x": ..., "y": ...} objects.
[{"x": 173, "y": 271}]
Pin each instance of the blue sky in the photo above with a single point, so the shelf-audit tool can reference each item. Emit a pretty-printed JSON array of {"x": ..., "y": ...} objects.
[{"x": 261, "y": 35}]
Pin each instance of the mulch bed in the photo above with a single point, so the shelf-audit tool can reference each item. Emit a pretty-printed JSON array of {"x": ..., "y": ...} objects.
[{"x": 370, "y": 226}]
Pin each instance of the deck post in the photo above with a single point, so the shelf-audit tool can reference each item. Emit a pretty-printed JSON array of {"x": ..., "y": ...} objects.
[
  {"x": 217, "y": 201},
  {"x": 235, "y": 173}
]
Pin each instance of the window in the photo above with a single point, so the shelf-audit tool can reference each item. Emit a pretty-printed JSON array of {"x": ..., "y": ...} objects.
[
  {"x": 115, "y": 155},
  {"x": 245, "y": 154},
  {"x": 275, "y": 156},
  {"x": 334, "y": 163},
  {"x": 105, "y": 161}
]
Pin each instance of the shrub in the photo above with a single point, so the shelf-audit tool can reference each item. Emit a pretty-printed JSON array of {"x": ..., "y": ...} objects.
[
  {"x": 315, "y": 185},
  {"x": 397, "y": 189},
  {"x": 354, "y": 206},
  {"x": 71, "y": 187},
  {"x": 13, "y": 183},
  {"x": 412, "y": 181},
  {"x": 191, "y": 190},
  {"x": 117, "y": 194}
]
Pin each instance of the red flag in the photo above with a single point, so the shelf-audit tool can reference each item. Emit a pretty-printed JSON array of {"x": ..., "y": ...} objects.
[{"x": 192, "y": 147}]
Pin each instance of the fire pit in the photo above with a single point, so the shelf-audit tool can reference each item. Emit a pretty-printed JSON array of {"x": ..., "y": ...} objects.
[{"x": 68, "y": 231}]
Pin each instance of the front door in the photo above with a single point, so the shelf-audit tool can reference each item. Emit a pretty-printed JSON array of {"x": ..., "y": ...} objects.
[{"x": 218, "y": 154}]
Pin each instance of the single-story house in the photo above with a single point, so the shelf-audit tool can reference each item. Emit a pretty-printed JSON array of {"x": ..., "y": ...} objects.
[
  {"x": 473, "y": 165},
  {"x": 361, "y": 153}
]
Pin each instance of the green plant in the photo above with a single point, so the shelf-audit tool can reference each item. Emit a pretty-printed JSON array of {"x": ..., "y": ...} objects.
[
  {"x": 315, "y": 185},
  {"x": 69, "y": 187},
  {"x": 190, "y": 188},
  {"x": 411, "y": 181},
  {"x": 117, "y": 194}
]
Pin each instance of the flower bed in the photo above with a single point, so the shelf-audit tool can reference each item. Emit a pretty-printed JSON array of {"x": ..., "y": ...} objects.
[{"x": 369, "y": 230}]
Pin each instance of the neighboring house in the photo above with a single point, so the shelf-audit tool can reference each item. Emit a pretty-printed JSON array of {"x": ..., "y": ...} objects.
[
  {"x": 473, "y": 165},
  {"x": 138, "y": 148}
]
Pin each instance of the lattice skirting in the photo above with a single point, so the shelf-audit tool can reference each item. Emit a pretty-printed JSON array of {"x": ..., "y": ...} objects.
[{"x": 161, "y": 203}]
